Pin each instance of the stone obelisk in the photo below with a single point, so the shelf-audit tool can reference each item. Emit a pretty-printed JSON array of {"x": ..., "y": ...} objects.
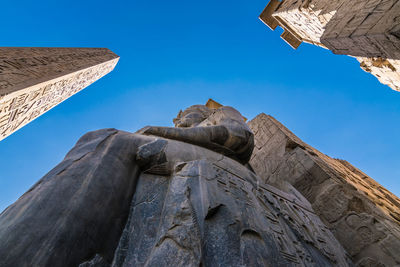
[{"x": 34, "y": 80}]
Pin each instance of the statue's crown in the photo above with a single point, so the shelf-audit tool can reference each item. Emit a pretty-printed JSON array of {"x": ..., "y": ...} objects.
[{"x": 211, "y": 104}]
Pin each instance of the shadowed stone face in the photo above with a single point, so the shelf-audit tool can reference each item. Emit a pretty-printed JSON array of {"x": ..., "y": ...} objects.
[
  {"x": 192, "y": 116},
  {"x": 222, "y": 130}
]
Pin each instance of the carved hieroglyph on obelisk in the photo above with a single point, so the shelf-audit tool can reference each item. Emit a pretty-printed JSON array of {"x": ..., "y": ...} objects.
[
  {"x": 366, "y": 30},
  {"x": 34, "y": 80}
]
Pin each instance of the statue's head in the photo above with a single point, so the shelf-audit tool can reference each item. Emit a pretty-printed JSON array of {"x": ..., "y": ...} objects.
[
  {"x": 192, "y": 116},
  {"x": 223, "y": 129}
]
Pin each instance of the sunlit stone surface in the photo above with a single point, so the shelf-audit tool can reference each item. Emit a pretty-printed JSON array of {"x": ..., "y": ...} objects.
[
  {"x": 34, "y": 80},
  {"x": 366, "y": 30}
]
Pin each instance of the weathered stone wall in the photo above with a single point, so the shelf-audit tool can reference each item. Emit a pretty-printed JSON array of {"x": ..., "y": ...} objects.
[
  {"x": 362, "y": 214},
  {"x": 368, "y": 30},
  {"x": 358, "y": 28},
  {"x": 387, "y": 71},
  {"x": 307, "y": 18},
  {"x": 34, "y": 80}
]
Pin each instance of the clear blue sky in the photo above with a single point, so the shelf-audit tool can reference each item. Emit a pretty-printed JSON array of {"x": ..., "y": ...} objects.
[{"x": 178, "y": 53}]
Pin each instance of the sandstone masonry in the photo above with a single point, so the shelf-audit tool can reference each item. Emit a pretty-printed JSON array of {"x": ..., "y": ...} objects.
[
  {"x": 366, "y": 30},
  {"x": 362, "y": 214}
]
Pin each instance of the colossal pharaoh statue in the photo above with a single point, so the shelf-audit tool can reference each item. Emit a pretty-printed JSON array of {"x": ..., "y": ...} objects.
[{"x": 183, "y": 196}]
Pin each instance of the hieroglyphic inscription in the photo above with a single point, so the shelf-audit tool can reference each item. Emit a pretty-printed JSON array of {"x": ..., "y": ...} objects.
[
  {"x": 22, "y": 106},
  {"x": 280, "y": 210},
  {"x": 23, "y": 67},
  {"x": 362, "y": 214}
]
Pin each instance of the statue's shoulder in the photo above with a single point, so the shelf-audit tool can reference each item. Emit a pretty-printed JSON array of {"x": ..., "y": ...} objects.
[
  {"x": 89, "y": 142},
  {"x": 96, "y": 135}
]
